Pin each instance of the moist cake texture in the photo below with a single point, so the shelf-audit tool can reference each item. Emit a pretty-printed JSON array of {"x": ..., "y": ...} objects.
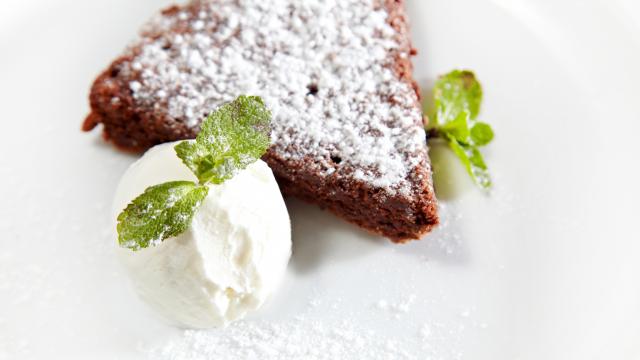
[{"x": 347, "y": 125}]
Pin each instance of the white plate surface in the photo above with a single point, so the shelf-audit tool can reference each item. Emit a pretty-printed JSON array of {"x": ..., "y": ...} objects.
[{"x": 546, "y": 267}]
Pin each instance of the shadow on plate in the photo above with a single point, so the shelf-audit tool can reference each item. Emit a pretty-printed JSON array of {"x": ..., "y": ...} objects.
[
  {"x": 320, "y": 238},
  {"x": 446, "y": 244},
  {"x": 450, "y": 179}
]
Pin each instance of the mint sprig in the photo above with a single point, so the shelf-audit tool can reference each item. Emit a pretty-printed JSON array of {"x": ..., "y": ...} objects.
[
  {"x": 231, "y": 138},
  {"x": 457, "y": 97}
]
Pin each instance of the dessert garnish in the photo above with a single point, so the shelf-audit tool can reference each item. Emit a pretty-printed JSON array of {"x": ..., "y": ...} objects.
[
  {"x": 232, "y": 138},
  {"x": 457, "y": 96}
]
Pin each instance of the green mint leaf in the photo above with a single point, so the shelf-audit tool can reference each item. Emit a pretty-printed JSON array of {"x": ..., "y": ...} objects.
[
  {"x": 454, "y": 93},
  {"x": 472, "y": 160},
  {"x": 161, "y": 212},
  {"x": 481, "y": 134},
  {"x": 458, "y": 128},
  {"x": 231, "y": 138}
]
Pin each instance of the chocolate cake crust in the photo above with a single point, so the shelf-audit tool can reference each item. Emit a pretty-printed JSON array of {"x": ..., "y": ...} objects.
[{"x": 348, "y": 132}]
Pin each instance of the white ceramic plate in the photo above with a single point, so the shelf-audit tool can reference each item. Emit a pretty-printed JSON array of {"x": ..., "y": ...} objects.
[{"x": 546, "y": 267}]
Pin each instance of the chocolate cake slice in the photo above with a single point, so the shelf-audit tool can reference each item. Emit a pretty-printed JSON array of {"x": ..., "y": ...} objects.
[{"x": 347, "y": 125}]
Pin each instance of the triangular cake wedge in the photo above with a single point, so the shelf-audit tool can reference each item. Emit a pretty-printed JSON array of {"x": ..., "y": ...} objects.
[{"x": 347, "y": 125}]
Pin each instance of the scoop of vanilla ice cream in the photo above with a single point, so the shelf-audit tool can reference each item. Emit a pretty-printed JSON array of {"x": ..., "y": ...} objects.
[{"x": 231, "y": 258}]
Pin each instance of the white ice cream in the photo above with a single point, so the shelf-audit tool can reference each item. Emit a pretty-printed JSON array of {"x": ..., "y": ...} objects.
[{"x": 231, "y": 258}]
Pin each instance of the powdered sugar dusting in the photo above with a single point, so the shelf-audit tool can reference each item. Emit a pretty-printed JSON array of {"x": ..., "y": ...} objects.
[
  {"x": 298, "y": 339},
  {"x": 322, "y": 67},
  {"x": 399, "y": 308},
  {"x": 317, "y": 334}
]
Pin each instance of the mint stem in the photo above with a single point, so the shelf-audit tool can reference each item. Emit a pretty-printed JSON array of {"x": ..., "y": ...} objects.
[{"x": 433, "y": 133}]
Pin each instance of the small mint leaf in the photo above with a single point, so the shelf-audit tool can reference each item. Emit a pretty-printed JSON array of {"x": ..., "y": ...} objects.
[
  {"x": 456, "y": 92},
  {"x": 231, "y": 138},
  {"x": 481, "y": 134},
  {"x": 161, "y": 212},
  {"x": 472, "y": 160},
  {"x": 458, "y": 128}
]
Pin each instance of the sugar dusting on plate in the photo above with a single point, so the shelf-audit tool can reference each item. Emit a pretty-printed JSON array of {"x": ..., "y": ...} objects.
[
  {"x": 297, "y": 339},
  {"x": 308, "y": 337}
]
